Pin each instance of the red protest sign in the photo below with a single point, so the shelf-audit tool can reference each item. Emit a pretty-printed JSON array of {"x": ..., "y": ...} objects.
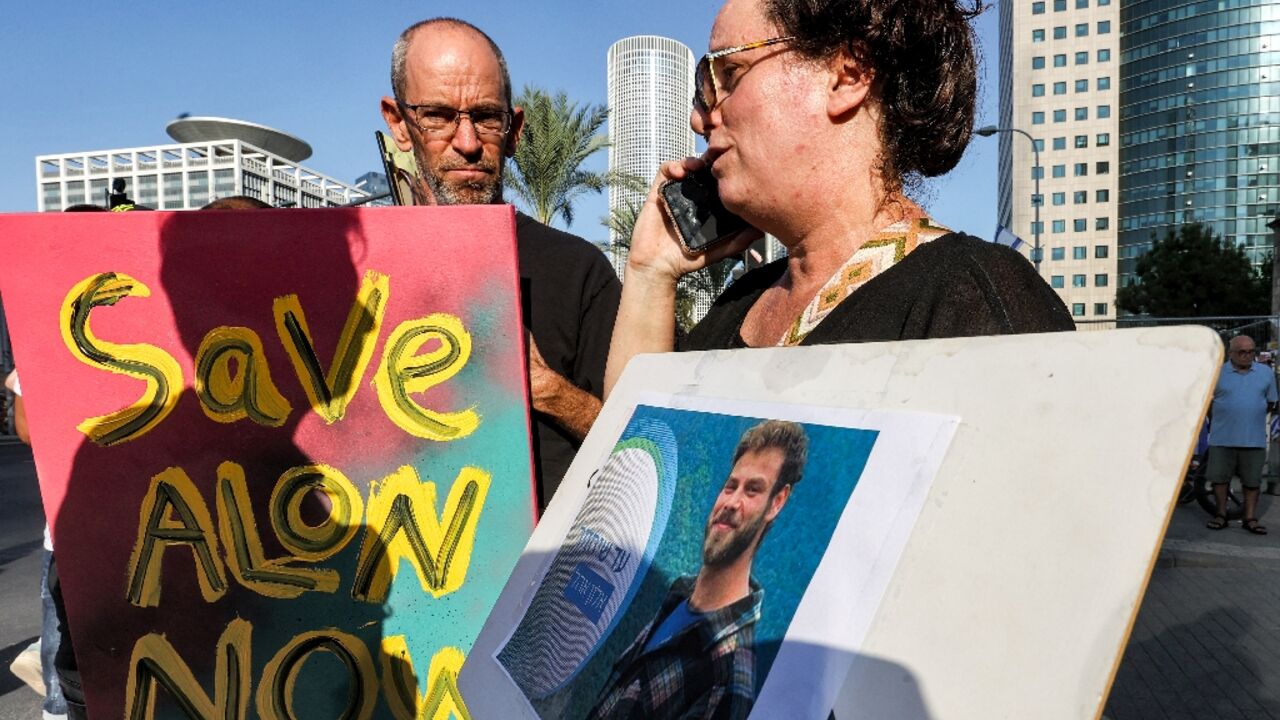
[{"x": 284, "y": 453}]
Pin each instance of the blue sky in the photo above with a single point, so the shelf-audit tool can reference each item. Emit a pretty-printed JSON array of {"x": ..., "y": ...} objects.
[{"x": 85, "y": 75}]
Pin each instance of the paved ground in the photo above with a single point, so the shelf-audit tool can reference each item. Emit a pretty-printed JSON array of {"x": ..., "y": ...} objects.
[
  {"x": 1207, "y": 640},
  {"x": 21, "y": 526},
  {"x": 1206, "y": 644}
]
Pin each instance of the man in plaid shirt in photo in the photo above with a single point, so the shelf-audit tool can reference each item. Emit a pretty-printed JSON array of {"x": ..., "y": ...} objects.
[{"x": 696, "y": 658}]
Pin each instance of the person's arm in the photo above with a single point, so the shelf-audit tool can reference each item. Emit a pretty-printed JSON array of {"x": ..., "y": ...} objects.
[
  {"x": 571, "y": 407},
  {"x": 647, "y": 313},
  {"x": 20, "y": 420}
]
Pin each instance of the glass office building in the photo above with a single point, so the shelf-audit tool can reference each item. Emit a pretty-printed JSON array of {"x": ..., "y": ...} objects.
[{"x": 1199, "y": 122}]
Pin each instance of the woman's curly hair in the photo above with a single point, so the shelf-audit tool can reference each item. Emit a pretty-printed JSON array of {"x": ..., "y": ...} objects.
[{"x": 922, "y": 55}]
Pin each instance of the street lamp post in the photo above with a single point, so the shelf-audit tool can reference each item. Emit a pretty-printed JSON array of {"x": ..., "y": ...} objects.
[{"x": 990, "y": 130}]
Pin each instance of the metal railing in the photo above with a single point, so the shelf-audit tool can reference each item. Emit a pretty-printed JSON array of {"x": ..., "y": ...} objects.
[{"x": 1262, "y": 328}]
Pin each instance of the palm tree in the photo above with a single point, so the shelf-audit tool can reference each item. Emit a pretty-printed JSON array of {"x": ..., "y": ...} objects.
[{"x": 546, "y": 172}]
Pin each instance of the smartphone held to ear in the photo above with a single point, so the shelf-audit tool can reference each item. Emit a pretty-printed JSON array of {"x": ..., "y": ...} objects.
[{"x": 700, "y": 219}]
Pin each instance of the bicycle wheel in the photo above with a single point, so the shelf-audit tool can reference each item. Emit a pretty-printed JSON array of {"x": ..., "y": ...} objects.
[{"x": 1235, "y": 498}]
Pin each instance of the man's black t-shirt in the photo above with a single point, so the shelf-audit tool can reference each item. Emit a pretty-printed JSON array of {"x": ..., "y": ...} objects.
[{"x": 569, "y": 300}]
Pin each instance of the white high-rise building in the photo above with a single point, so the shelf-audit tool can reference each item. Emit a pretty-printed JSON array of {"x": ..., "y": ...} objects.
[
  {"x": 650, "y": 94},
  {"x": 1060, "y": 83},
  {"x": 213, "y": 158}
]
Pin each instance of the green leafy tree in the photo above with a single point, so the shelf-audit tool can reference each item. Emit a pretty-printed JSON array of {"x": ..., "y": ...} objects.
[
  {"x": 1194, "y": 273},
  {"x": 546, "y": 172}
]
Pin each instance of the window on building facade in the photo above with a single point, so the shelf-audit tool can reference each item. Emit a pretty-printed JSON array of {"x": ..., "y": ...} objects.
[
  {"x": 1103, "y": 3},
  {"x": 1079, "y": 252},
  {"x": 1103, "y": 195},
  {"x": 1059, "y": 171},
  {"x": 1104, "y": 27},
  {"x": 1100, "y": 251},
  {"x": 52, "y": 196},
  {"x": 1060, "y": 60},
  {"x": 1059, "y": 116},
  {"x": 1037, "y": 117},
  {"x": 1077, "y": 309},
  {"x": 1037, "y": 8},
  {"x": 1104, "y": 82},
  {"x": 1039, "y": 145},
  {"x": 1102, "y": 139},
  {"x": 1036, "y": 200},
  {"x": 1056, "y": 281},
  {"x": 1102, "y": 223},
  {"x": 1082, "y": 86},
  {"x": 1082, "y": 57},
  {"x": 1059, "y": 198},
  {"x": 1100, "y": 280},
  {"x": 1082, "y": 4},
  {"x": 1100, "y": 309},
  {"x": 1059, "y": 226},
  {"x": 1037, "y": 90},
  {"x": 1037, "y": 173},
  {"x": 1082, "y": 141},
  {"x": 1078, "y": 281},
  {"x": 1058, "y": 253},
  {"x": 1059, "y": 5},
  {"x": 1060, "y": 143},
  {"x": 1082, "y": 29},
  {"x": 1037, "y": 227},
  {"x": 1102, "y": 167},
  {"x": 1080, "y": 170},
  {"x": 1037, "y": 35},
  {"x": 1082, "y": 113},
  {"x": 1060, "y": 32},
  {"x": 1104, "y": 55},
  {"x": 172, "y": 191},
  {"x": 1104, "y": 111},
  {"x": 1079, "y": 225},
  {"x": 1060, "y": 88},
  {"x": 1037, "y": 62},
  {"x": 1079, "y": 197}
]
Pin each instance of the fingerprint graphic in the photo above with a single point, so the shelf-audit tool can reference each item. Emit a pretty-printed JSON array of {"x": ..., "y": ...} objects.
[{"x": 600, "y": 565}]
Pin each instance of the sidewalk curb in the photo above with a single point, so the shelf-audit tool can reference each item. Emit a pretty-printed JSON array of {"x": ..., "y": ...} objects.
[{"x": 1187, "y": 553}]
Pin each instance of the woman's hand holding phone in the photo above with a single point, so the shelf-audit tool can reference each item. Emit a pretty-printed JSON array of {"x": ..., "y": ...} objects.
[{"x": 658, "y": 254}]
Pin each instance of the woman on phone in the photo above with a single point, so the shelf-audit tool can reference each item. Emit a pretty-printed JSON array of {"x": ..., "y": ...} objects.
[{"x": 818, "y": 114}]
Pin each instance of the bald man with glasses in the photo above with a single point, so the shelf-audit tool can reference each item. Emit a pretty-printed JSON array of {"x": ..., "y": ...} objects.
[
  {"x": 452, "y": 108},
  {"x": 1245, "y": 393}
]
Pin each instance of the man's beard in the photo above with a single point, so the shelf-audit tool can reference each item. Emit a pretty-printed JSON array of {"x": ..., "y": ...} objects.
[
  {"x": 479, "y": 192},
  {"x": 731, "y": 545}
]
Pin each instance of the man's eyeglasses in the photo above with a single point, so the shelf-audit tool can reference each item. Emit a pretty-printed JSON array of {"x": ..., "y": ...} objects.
[
  {"x": 708, "y": 83},
  {"x": 441, "y": 121}
]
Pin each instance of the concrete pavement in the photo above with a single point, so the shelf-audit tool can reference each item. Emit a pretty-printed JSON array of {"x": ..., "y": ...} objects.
[
  {"x": 21, "y": 536},
  {"x": 1207, "y": 640}
]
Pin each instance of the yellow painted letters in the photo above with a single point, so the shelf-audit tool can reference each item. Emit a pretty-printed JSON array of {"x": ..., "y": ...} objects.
[
  {"x": 329, "y": 393},
  {"x": 148, "y": 363},
  {"x": 156, "y": 663},
  {"x": 275, "y": 691},
  {"x": 439, "y": 549},
  {"x": 320, "y": 542},
  {"x": 225, "y": 397},
  {"x": 245, "y": 557},
  {"x": 173, "y": 492},
  {"x": 442, "y": 700},
  {"x": 403, "y": 372}
]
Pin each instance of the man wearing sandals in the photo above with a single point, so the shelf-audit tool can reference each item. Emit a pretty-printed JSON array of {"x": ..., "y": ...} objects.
[{"x": 1245, "y": 393}]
